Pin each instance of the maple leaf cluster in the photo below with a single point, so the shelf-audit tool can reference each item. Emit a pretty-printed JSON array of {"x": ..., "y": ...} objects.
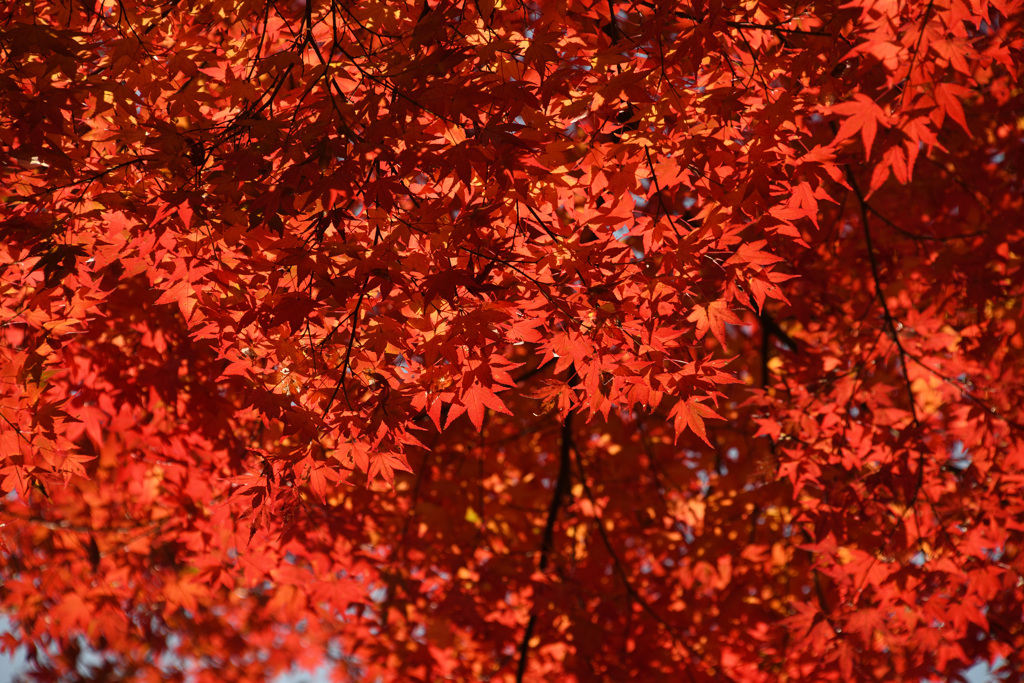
[{"x": 506, "y": 340}]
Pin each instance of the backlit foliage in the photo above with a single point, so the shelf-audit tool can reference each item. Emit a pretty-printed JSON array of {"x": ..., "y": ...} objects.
[{"x": 499, "y": 340}]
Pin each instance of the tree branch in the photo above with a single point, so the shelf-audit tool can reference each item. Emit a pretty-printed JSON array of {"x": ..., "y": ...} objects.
[
  {"x": 620, "y": 571},
  {"x": 890, "y": 321},
  {"x": 548, "y": 538}
]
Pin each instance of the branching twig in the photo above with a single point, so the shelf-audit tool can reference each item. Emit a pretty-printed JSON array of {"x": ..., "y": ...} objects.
[
  {"x": 890, "y": 321},
  {"x": 351, "y": 341}
]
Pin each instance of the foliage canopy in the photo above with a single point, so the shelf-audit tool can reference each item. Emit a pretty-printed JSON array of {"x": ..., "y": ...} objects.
[{"x": 496, "y": 340}]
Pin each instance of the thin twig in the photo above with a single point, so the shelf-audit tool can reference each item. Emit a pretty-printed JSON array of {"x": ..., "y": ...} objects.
[
  {"x": 890, "y": 321},
  {"x": 657, "y": 186}
]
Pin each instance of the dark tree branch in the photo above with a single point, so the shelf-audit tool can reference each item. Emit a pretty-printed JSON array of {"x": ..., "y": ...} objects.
[
  {"x": 890, "y": 321},
  {"x": 620, "y": 571},
  {"x": 548, "y": 537}
]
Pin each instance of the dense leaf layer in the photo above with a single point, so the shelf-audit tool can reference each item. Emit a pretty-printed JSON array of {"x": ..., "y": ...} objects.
[{"x": 489, "y": 341}]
